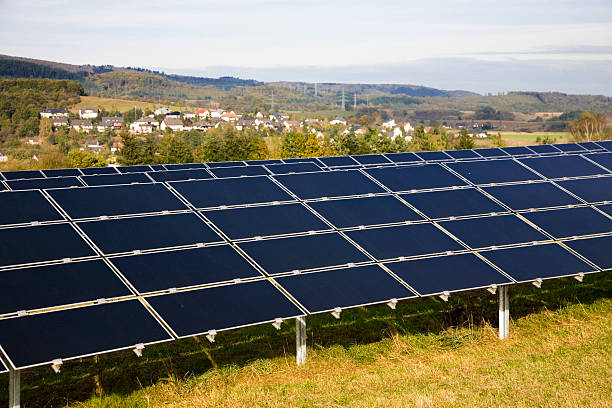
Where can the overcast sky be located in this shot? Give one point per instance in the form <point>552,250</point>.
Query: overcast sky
<point>484,46</point>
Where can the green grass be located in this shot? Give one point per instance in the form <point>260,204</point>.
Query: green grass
<point>425,353</point>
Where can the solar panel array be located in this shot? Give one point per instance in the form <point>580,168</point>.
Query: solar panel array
<point>108,267</point>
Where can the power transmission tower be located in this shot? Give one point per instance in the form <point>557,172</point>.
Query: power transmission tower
<point>343,106</point>
<point>355,101</point>
<point>272,104</point>
<point>316,89</point>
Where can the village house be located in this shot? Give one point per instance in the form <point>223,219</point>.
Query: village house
<point>84,125</point>
<point>188,115</point>
<point>111,122</point>
<point>407,127</point>
<point>54,113</point>
<point>93,146</point>
<point>217,113</point>
<point>88,113</point>
<point>162,111</point>
<point>243,123</point>
<point>230,116</point>
<point>390,124</point>
<point>144,125</point>
<point>174,124</point>
<point>338,121</point>
<point>3,157</point>
<point>32,141</point>
<point>116,146</point>
<point>173,115</point>
<point>204,125</point>
<point>57,122</point>
<point>292,124</point>
<point>202,113</point>
<point>259,115</point>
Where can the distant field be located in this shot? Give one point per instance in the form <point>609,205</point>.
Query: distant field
<point>522,139</point>
<point>121,105</point>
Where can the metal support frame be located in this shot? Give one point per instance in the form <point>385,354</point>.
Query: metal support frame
<point>14,389</point>
<point>300,340</point>
<point>504,313</point>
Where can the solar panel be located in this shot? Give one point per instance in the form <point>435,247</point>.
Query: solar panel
<point>606,208</point>
<point>61,172</point>
<point>329,184</point>
<point>150,232</point>
<point>219,308</point>
<point>239,171</point>
<point>596,250</point>
<point>225,164</point>
<point>433,156</point>
<point>303,160</point>
<point>403,241</point>
<point>493,171</point>
<point>491,152</point>
<point>179,175</point>
<point>263,162</point>
<point>517,150</point>
<point>110,179</point>
<point>42,243</point>
<point>603,159</point>
<point>158,167</point>
<point>231,191</point>
<point>22,174</point>
<point>347,287</point>
<point>251,222</point>
<point>116,200</point>
<point>42,183</point>
<point>281,255</point>
<point>3,368</point>
<point>41,338</point>
<point>371,159</point>
<point>26,206</point>
<point>431,276</point>
<point>544,149</point>
<point>184,166</point>
<point>403,157</point>
<point>592,190</point>
<point>528,263</point>
<point>493,231</point>
<point>92,171</point>
<point>293,168</point>
<point>58,285</point>
<point>134,169</point>
<point>606,144</point>
<point>532,195</point>
<point>415,177</point>
<point>353,212</point>
<point>338,161</point>
<point>462,154</point>
<point>569,147</point>
<point>591,146</point>
<point>159,271</point>
<point>563,166</point>
<point>453,203</point>
<point>571,222</point>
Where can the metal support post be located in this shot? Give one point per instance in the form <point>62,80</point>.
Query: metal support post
<point>14,388</point>
<point>504,313</point>
<point>300,340</point>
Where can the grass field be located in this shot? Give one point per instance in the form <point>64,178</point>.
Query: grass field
<point>121,105</point>
<point>525,139</point>
<point>426,353</point>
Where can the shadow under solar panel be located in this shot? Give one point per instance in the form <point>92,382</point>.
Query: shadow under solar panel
<point>65,334</point>
<point>570,222</point>
<point>533,262</point>
<point>591,190</point>
<point>431,276</point>
<point>347,287</point>
<point>596,250</point>
<point>563,166</point>
<point>329,184</point>
<point>182,268</point>
<point>26,206</point>
<point>219,308</point>
<point>532,195</point>
<point>493,171</point>
<point>407,178</point>
<point>453,203</point>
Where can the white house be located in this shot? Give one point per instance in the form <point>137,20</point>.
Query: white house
<point>144,125</point>
<point>230,116</point>
<point>397,132</point>
<point>338,121</point>
<point>408,127</point>
<point>57,122</point>
<point>88,113</point>
<point>162,111</point>
<point>390,124</point>
<point>259,115</point>
<point>173,114</point>
<point>202,113</point>
<point>3,157</point>
<point>54,113</point>
<point>217,113</point>
<point>84,125</point>
<point>172,123</point>
<point>188,115</point>
<point>111,122</point>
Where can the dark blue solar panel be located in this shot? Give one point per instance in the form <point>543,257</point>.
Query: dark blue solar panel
<point>161,231</point>
<point>532,195</point>
<point>55,285</point>
<point>329,184</point>
<point>571,221</point>
<point>231,191</point>
<point>41,183</point>
<point>433,156</point>
<point>91,171</point>
<point>25,206</point>
<point>251,222</point>
<point>293,168</point>
<point>603,159</point>
<point>184,166</point>
<point>569,147</point>
<point>116,200</point>
<point>606,144</point>
<point>491,152</point>
<point>134,169</point>
<point>404,240</point>
<point>493,231</point>
<point>596,250</point>
<point>591,146</point>
<point>42,338</point>
<point>347,287</point>
<point>371,159</point>
<point>529,263</point>
<point>563,166</point>
<point>303,160</point>
<point>41,243</point>
<point>177,175</point>
<point>462,154</point>
<point>22,174</point>
<point>453,203</point>
<point>403,157</point>
<point>354,212</point>
<point>182,268</point>
<point>592,190</point>
<point>415,177</point>
<point>517,150</point>
<point>3,368</point>
<point>430,276</point>
<point>337,161</point>
<point>61,172</point>
<point>544,149</point>
<point>493,171</point>
<point>158,167</point>
<point>110,179</point>
<point>224,307</point>
<point>304,252</point>
<point>263,162</point>
<point>225,164</point>
<point>606,208</point>
<point>238,171</point>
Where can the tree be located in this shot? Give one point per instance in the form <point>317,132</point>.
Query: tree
<point>84,158</point>
<point>45,129</point>
<point>465,140</point>
<point>589,127</point>
<point>131,152</point>
<point>497,140</point>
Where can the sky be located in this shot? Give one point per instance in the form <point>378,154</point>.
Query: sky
<point>482,46</point>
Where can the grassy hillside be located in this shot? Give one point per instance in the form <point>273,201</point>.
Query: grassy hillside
<point>426,353</point>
